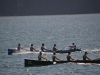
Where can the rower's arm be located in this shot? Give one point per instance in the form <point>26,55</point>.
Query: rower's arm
<point>72,58</point>
<point>46,49</point>
<point>70,46</point>
<point>57,49</point>
<point>35,50</point>
<point>23,49</point>
<point>45,58</point>
<point>88,58</point>
<point>58,58</point>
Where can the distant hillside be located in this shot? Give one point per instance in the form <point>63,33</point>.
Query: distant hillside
<point>48,7</point>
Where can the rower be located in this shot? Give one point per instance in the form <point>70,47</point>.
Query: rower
<point>69,57</point>
<point>40,56</point>
<point>85,56</point>
<point>54,57</point>
<point>73,46</point>
<point>55,49</point>
<point>33,49</point>
<point>43,48</point>
<point>19,47</point>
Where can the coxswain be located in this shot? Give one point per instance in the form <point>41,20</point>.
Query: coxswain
<point>33,49</point>
<point>55,49</point>
<point>73,46</point>
<point>69,57</point>
<point>54,57</point>
<point>43,48</point>
<point>40,57</point>
<point>85,56</point>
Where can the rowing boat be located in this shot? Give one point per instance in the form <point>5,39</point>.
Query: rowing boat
<point>30,63</point>
<point>13,50</point>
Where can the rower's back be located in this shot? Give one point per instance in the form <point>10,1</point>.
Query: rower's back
<point>42,47</point>
<point>53,57</point>
<point>84,56</point>
<point>54,47</point>
<point>39,56</point>
<point>68,56</point>
<point>19,47</point>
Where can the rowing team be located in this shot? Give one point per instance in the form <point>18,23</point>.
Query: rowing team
<point>43,49</point>
<point>69,58</point>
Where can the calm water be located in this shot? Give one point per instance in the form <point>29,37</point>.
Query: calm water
<point>84,30</point>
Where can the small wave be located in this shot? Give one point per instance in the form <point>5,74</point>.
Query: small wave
<point>29,52</point>
<point>93,51</point>
<point>4,66</point>
<point>84,63</point>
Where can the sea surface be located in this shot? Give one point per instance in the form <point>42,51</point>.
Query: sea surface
<point>62,30</point>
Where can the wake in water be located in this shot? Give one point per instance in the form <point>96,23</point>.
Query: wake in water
<point>27,51</point>
<point>87,64</point>
<point>92,51</point>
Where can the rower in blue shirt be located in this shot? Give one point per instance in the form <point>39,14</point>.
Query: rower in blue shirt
<point>33,49</point>
<point>43,48</point>
<point>19,47</point>
<point>55,48</point>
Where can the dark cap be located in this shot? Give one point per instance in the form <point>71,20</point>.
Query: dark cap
<point>54,44</point>
<point>54,53</point>
<point>31,44</point>
<point>40,53</point>
<point>42,44</point>
<point>86,53</point>
<point>69,52</point>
